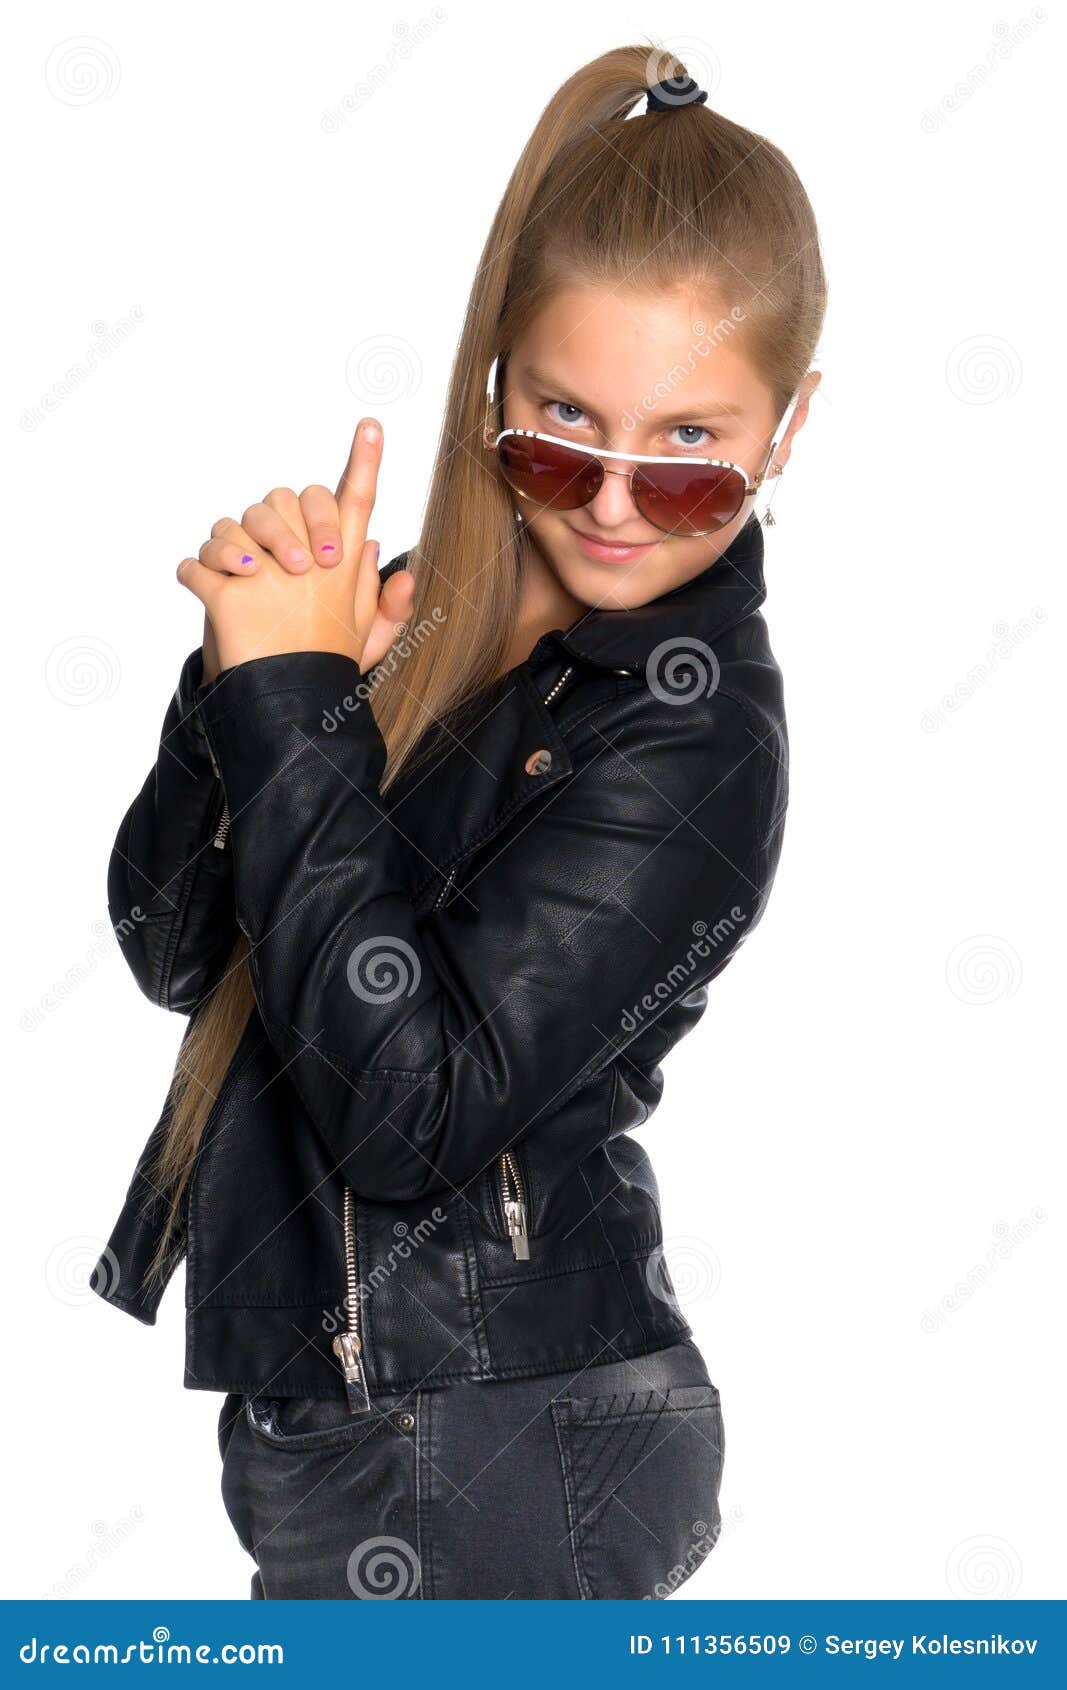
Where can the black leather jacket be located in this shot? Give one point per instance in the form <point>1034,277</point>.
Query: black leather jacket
<point>419,1166</point>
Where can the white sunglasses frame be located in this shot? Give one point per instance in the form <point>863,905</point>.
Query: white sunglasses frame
<point>491,442</point>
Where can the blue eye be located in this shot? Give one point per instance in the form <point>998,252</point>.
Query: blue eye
<point>564,405</point>
<point>691,429</point>
<point>564,414</point>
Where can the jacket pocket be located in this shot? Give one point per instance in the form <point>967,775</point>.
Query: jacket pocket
<point>641,1472</point>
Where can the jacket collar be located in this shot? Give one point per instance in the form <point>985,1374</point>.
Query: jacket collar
<point>729,589</point>
<point>484,770</point>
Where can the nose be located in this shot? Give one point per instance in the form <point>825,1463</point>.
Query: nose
<point>613,505</point>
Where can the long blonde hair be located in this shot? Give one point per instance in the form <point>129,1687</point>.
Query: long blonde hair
<point>683,196</point>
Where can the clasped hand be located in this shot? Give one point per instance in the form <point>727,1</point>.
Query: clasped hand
<point>297,573</point>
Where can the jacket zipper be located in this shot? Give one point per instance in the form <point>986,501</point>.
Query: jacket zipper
<point>223,829</point>
<point>513,1192</point>
<point>451,880</point>
<point>513,1202</point>
<point>348,1345</point>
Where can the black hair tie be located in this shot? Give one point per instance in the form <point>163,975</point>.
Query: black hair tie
<point>676,91</point>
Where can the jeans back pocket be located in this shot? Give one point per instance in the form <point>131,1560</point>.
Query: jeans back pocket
<point>642,1471</point>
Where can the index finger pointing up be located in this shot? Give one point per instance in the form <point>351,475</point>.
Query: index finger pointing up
<point>358,485</point>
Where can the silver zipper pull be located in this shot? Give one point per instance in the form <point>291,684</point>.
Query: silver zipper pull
<point>346,1347</point>
<point>221,835</point>
<point>515,1215</point>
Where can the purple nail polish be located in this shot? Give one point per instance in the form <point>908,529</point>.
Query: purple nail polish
<point>247,559</point>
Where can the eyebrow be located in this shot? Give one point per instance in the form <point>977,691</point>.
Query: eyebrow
<point>712,408</point>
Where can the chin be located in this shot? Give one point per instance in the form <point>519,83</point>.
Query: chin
<point>609,588</point>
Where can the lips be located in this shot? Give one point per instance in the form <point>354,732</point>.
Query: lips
<point>607,551</point>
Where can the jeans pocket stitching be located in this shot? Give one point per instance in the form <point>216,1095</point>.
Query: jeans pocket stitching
<point>674,1400</point>
<point>586,1502</point>
<point>630,1444</point>
<point>423,1494</point>
<point>560,1420</point>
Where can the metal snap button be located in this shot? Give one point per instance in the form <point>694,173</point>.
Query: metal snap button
<point>539,762</point>
<point>406,1422</point>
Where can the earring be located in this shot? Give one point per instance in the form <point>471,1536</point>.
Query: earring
<point>767,520</point>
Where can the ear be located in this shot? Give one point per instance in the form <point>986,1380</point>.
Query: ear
<point>799,417</point>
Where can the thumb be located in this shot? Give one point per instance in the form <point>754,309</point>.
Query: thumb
<point>394,609</point>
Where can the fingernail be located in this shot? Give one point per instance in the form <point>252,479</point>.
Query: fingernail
<point>247,561</point>
<point>377,551</point>
<point>325,548</point>
<point>298,555</point>
<point>371,431</point>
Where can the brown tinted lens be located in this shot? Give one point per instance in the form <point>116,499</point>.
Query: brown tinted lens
<point>547,474</point>
<point>688,498</point>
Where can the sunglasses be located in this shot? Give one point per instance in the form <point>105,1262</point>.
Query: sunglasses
<point>687,496</point>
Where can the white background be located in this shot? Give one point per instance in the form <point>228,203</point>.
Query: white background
<point>868,1109</point>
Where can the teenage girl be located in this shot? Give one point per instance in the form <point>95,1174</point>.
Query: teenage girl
<point>439,862</point>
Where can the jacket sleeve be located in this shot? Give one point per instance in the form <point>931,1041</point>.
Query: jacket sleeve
<point>420,1048</point>
<point>169,890</point>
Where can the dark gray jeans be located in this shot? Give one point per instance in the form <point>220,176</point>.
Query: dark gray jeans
<point>596,1484</point>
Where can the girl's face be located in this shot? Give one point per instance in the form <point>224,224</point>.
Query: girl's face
<point>633,372</point>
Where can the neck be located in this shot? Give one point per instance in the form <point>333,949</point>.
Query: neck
<point>544,604</point>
